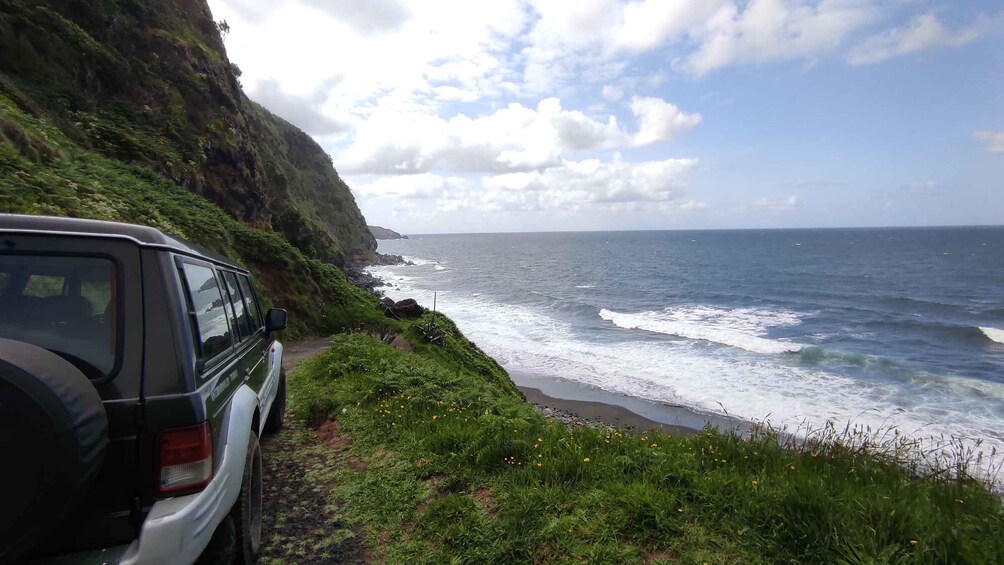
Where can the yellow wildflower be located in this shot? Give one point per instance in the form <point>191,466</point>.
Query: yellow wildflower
<point>586,460</point>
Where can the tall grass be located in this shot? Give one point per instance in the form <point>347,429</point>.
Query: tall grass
<point>461,469</point>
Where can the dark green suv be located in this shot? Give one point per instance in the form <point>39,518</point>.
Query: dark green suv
<point>137,372</point>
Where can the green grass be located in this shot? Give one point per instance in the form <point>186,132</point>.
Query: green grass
<point>461,469</point>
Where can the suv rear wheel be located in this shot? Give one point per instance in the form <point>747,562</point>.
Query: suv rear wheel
<point>277,415</point>
<point>246,512</point>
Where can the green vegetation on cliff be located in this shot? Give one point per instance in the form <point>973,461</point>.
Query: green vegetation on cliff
<point>384,233</point>
<point>149,84</point>
<point>448,466</point>
<point>130,111</point>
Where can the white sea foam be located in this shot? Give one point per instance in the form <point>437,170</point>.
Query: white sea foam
<point>724,381</point>
<point>417,260</point>
<point>585,286</point>
<point>735,328</point>
<point>440,268</point>
<point>993,334</point>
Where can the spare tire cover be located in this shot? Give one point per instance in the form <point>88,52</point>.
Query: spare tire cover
<point>53,434</point>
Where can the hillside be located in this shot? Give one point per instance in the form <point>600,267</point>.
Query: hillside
<point>384,233</point>
<point>149,84</point>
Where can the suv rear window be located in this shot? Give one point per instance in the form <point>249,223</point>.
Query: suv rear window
<point>206,302</point>
<point>64,304</point>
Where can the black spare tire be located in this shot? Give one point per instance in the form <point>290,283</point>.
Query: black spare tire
<point>53,434</point>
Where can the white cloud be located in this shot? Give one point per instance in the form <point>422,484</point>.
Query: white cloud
<point>659,120</point>
<point>513,138</point>
<point>304,112</point>
<point>569,187</point>
<point>418,186</point>
<point>612,93</point>
<point>589,182</point>
<point>778,204</point>
<point>419,47</point>
<point>768,30</point>
<point>367,15</point>
<point>922,33</point>
<point>994,140</point>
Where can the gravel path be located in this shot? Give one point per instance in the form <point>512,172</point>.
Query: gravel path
<point>298,525</point>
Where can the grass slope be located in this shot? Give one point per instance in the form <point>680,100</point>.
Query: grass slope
<point>457,468</point>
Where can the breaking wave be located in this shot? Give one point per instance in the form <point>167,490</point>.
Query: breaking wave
<point>993,334</point>
<point>734,328</point>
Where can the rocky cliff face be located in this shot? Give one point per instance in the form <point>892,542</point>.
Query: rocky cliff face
<point>150,84</point>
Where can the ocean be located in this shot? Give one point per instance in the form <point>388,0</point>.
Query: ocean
<point>900,327</point>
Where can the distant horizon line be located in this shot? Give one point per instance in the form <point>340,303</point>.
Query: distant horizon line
<point>835,228</point>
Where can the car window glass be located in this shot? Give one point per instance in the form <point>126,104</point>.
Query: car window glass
<point>239,311</point>
<point>228,306</point>
<point>207,303</point>
<point>44,285</point>
<point>253,311</point>
<point>62,304</point>
<point>96,287</point>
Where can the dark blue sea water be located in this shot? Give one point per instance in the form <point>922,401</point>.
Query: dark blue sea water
<point>899,327</point>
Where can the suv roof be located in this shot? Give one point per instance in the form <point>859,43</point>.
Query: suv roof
<point>142,235</point>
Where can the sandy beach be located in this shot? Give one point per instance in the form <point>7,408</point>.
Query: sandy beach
<point>592,412</point>
<point>580,404</point>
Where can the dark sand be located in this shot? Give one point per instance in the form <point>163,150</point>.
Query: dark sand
<point>568,401</point>
<point>589,411</point>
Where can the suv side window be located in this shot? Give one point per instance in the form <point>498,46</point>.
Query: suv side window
<point>254,313</point>
<point>44,286</point>
<point>206,303</point>
<point>235,299</point>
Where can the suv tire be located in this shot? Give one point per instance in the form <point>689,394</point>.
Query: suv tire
<point>54,429</point>
<point>246,512</point>
<point>277,415</point>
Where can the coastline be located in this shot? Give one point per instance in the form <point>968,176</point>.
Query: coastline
<point>592,413</point>
<point>579,404</point>
<point>574,403</point>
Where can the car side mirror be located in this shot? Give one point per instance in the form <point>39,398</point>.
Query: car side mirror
<point>275,319</point>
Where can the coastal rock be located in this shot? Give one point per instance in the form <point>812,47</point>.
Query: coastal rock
<point>407,309</point>
<point>384,233</point>
<point>356,272</point>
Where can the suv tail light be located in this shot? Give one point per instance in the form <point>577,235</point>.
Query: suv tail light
<point>184,460</point>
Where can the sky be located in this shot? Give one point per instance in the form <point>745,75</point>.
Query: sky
<point>544,115</point>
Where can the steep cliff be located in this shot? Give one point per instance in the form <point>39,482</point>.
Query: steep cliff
<point>149,84</point>
<point>130,111</point>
